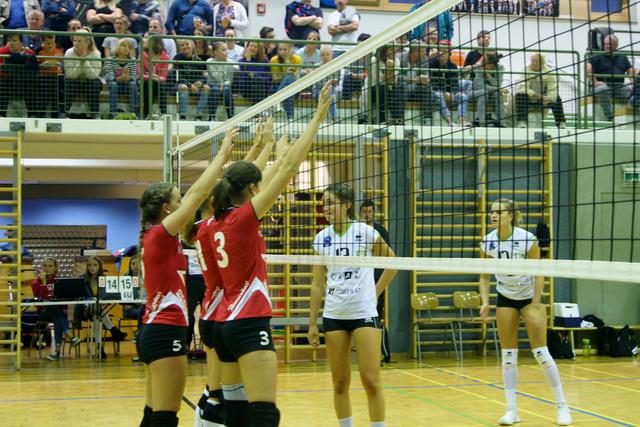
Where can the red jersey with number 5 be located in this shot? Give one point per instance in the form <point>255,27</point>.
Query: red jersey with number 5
<point>239,250</point>
<point>208,264</point>
<point>163,268</point>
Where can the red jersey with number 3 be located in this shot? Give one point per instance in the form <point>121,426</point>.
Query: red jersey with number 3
<point>239,250</point>
<point>208,264</point>
<point>163,268</point>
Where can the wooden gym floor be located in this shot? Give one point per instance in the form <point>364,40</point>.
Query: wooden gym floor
<point>79,392</point>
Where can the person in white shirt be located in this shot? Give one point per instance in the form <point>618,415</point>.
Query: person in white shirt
<point>229,14</point>
<point>343,25</point>
<point>350,303</point>
<point>234,50</point>
<point>518,294</point>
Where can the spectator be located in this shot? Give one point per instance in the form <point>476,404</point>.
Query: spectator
<point>310,53</point>
<point>414,81</point>
<point>442,24</point>
<point>202,46</point>
<point>102,14</point>
<point>234,50</point>
<point>355,74</point>
<point>383,86</point>
<point>142,12</point>
<point>343,25</point>
<point>190,77</point>
<point>42,287</point>
<point>51,79</point>
<point>18,71</point>
<point>158,74</point>
<point>66,42</point>
<point>121,74</point>
<point>539,89</point>
<point>121,24</point>
<point>13,13</point>
<point>254,76</point>
<point>186,15</point>
<point>229,14</point>
<point>271,49</point>
<point>326,55</point>
<point>36,23</point>
<point>488,83</point>
<point>156,28</point>
<point>220,80</point>
<point>473,59</point>
<point>444,83</point>
<point>82,68</point>
<point>302,18</point>
<point>58,13</point>
<point>284,75</point>
<point>607,71</point>
<point>135,311</point>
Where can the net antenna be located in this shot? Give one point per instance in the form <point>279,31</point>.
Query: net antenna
<point>419,16</point>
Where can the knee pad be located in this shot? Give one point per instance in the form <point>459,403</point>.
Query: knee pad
<point>236,413</point>
<point>164,419</point>
<point>510,358</point>
<point>264,414</point>
<point>202,403</point>
<point>213,413</point>
<point>543,357</point>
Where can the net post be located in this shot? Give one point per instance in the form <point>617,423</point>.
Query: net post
<point>167,136</point>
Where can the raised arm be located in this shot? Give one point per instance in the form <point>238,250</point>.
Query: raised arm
<point>258,143</point>
<point>200,189</point>
<point>282,148</point>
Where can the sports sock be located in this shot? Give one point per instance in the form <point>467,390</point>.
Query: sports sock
<point>263,414</point>
<point>345,422</point>
<point>510,375</point>
<point>550,369</point>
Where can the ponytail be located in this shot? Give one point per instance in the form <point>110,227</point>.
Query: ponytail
<point>228,191</point>
<point>150,205</point>
<point>222,196</point>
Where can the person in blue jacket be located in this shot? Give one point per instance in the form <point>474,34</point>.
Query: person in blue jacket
<point>443,21</point>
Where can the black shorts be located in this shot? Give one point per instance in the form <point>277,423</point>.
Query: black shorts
<point>349,325</point>
<point>518,304</point>
<point>235,338</point>
<point>207,330</point>
<point>161,341</point>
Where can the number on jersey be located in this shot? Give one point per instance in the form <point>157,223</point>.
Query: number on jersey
<point>224,258</point>
<point>203,264</point>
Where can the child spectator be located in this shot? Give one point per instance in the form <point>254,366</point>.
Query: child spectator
<point>254,76</point>
<point>121,74</point>
<point>190,77</point>
<point>121,24</point>
<point>82,68</point>
<point>310,53</point>
<point>158,74</point>
<point>283,75</point>
<point>18,73</point>
<point>326,55</point>
<point>220,79</point>
<point>234,50</point>
<point>142,12</point>
<point>43,286</point>
<point>51,79</point>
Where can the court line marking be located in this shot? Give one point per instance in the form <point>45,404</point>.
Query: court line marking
<point>594,380</point>
<point>602,372</point>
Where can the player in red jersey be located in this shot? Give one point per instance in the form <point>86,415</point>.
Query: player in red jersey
<point>243,338</point>
<point>161,341</point>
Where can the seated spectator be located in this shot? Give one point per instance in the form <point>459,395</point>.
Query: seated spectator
<point>354,75</point>
<point>121,24</point>
<point>135,311</point>
<point>156,28</point>
<point>488,83</point>
<point>442,24</point>
<point>234,50</point>
<point>342,25</point>
<point>473,59</point>
<point>538,90</point>
<point>121,74</point>
<point>58,13</point>
<point>414,81</point>
<point>310,53</point>
<point>36,23</point>
<point>190,77</point>
<point>384,87</point>
<point>185,16</point>
<point>301,18</point>
<point>18,71</point>
<point>202,46</point>
<point>155,71</point>
<point>13,14</point>
<point>82,68</point>
<point>102,14</point>
<point>220,80</point>
<point>50,80</point>
<point>254,75</point>
<point>284,75</point>
<point>42,287</point>
<point>66,42</point>
<point>229,14</point>
<point>270,48</point>
<point>142,12</point>
<point>607,72</point>
<point>444,83</point>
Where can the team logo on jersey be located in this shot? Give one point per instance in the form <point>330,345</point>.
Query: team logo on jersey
<point>326,242</point>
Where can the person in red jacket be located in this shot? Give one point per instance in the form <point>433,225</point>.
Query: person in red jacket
<point>42,287</point>
<point>18,72</point>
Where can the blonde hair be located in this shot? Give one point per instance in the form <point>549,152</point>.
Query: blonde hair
<point>91,44</point>
<point>126,42</point>
<point>512,207</point>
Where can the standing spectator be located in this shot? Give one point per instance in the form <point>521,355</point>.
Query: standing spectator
<point>101,14</point>
<point>121,24</point>
<point>220,79</point>
<point>156,72</point>
<point>284,75</point>
<point>17,74</point>
<point>142,12</point>
<point>343,25</point>
<point>82,68</point>
<point>234,50</point>
<point>50,81</point>
<point>302,18</point>
<point>310,53</point>
<point>186,15</point>
<point>66,42</point>
<point>444,83</point>
<point>13,13</point>
<point>36,23</point>
<point>229,14</point>
<point>442,23</point>
<point>539,89</point>
<point>254,76</point>
<point>58,13</point>
<point>156,28</point>
<point>607,72</point>
<point>488,83</point>
<point>190,77</point>
<point>121,74</point>
<point>414,81</point>
<point>270,48</point>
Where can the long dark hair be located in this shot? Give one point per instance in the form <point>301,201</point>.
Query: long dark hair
<point>345,194</point>
<point>87,275</point>
<point>228,191</point>
<point>189,230</point>
<point>150,205</point>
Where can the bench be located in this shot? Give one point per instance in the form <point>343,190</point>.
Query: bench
<point>571,332</point>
